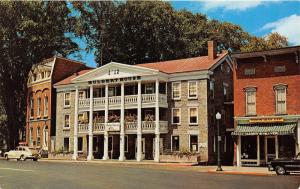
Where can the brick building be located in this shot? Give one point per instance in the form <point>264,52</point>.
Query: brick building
<point>266,105</point>
<point>41,99</point>
<point>121,111</point>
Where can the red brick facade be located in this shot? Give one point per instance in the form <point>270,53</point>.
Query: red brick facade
<point>264,80</point>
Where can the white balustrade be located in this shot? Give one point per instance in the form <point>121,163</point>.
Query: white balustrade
<point>131,99</point>
<point>99,127</point>
<point>114,100</point>
<point>131,125</point>
<point>148,98</point>
<point>99,102</point>
<point>114,126</point>
<point>84,103</point>
<point>148,125</point>
<point>83,128</point>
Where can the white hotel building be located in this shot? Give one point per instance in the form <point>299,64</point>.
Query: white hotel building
<point>144,111</point>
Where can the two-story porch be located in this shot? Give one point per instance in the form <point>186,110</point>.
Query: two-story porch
<point>120,108</point>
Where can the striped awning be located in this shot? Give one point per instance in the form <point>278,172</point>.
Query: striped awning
<point>265,129</point>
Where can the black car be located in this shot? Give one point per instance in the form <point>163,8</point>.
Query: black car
<point>285,166</point>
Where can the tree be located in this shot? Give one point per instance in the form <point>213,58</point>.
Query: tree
<point>275,40</point>
<point>29,32</point>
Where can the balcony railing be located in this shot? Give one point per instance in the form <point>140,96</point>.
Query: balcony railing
<point>147,126</point>
<point>116,100</point>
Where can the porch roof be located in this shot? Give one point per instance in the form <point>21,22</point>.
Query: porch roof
<point>265,129</point>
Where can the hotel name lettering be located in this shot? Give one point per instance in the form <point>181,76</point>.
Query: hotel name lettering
<point>266,120</point>
<point>115,80</point>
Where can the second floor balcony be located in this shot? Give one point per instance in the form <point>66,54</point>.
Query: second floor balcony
<point>148,100</point>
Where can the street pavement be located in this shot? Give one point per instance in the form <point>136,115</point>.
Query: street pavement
<point>84,175</point>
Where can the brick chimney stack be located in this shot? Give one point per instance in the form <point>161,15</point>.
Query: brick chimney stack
<point>212,50</point>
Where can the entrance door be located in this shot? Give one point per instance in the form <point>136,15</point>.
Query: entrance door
<point>110,147</point>
<point>270,148</point>
<point>143,148</point>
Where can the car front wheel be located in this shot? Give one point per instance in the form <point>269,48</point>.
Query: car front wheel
<point>280,170</point>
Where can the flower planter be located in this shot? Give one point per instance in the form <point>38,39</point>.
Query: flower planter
<point>60,156</point>
<point>180,158</point>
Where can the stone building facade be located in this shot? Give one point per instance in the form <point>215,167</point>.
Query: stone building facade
<point>267,105</point>
<point>41,99</point>
<point>141,111</point>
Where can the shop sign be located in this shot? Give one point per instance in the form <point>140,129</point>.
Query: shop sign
<point>266,120</point>
<point>115,80</point>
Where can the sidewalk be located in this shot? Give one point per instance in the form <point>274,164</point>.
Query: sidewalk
<point>257,171</point>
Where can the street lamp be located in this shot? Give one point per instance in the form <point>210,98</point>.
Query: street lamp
<point>218,117</point>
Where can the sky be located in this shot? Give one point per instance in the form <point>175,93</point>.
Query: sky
<point>257,17</point>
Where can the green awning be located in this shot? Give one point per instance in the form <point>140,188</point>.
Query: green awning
<point>265,129</point>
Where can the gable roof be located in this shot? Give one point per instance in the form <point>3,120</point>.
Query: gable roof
<point>184,65</point>
<point>68,80</point>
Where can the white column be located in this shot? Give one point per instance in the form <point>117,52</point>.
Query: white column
<point>90,150</point>
<point>122,131</point>
<point>139,122</point>
<point>276,146</point>
<point>258,151</point>
<point>238,151</point>
<point>157,131</point>
<point>75,146</point>
<point>105,155</point>
<point>298,138</point>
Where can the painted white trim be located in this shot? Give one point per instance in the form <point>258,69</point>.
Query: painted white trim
<point>179,116</point>
<point>173,83</point>
<point>194,97</point>
<point>189,111</point>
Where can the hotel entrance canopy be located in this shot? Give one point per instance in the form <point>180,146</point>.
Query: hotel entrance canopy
<point>265,129</point>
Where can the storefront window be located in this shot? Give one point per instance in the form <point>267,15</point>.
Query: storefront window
<point>248,147</point>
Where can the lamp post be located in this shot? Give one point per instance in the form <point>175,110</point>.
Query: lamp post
<point>218,117</point>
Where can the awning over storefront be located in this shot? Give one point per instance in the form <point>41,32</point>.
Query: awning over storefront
<point>265,129</point>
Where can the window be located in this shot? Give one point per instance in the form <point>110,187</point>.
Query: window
<point>31,136</point>
<point>193,114</point>
<point>66,144</point>
<point>31,107</point>
<point>39,107</point>
<point>80,144</point>
<point>280,99</point>
<point>46,106</point>
<point>175,143</point>
<point>175,116</point>
<point>176,90</point>
<point>149,88</point>
<point>126,143</point>
<point>112,91</point>
<point>67,100</point>
<point>249,71</point>
<point>194,143</point>
<point>251,101</point>
<point>192,89</point>
<point>279,69</point>
<point>81,94</point>
<point>67,121</point>
<point>38,137</point>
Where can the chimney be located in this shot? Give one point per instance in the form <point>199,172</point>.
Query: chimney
<point>212,50</point>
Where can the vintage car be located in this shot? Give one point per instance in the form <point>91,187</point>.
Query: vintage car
<point>22,153</point>
<point>285,166</point>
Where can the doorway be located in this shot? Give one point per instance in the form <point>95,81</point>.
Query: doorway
<point>270,148</point>
<point>143,148</point>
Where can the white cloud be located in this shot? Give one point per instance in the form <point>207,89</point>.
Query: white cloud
<point>240,5</point>
<point>287,26</point>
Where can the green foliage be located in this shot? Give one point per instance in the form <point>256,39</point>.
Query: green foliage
<point>29,32</point>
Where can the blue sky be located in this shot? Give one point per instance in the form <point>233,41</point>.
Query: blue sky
<point>256,17</point>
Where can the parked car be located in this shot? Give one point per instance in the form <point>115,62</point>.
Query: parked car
<point>285,166</point>
<point>22,153</point>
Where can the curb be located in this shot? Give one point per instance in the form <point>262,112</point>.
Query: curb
<point>239,173</point>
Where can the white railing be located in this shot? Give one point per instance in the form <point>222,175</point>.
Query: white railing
<point>131,125</point>
<point>99,101</point>
<point>148,98</point>
<point>131,99</point>
<point>99,127</point>
<point>84,103</point>
<point>114,100</point>
<point>83,128</point>
<point>148,125</point>
<point>163,126</point>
